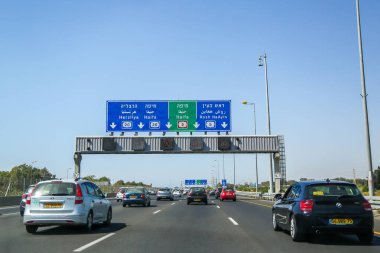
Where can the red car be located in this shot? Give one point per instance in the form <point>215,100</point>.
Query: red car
<point>227,194</point>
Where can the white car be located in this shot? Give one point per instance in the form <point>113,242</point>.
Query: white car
<point>177,193</point>
<point>66,202</point>
<point>120,194</point>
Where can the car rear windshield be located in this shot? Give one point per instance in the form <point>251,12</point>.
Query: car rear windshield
<point>138,190</point>
<point>200,189</point>
<point>164,190</point>
<point>122,190</point>
<point>55,189</point>
<point>332,190</point>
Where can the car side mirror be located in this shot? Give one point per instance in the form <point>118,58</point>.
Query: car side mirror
<point>278,196</point>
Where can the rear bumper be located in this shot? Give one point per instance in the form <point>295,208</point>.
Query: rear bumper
<point>134,201</point>
<point>228,197</point>
<point>164,197</point>
<point>310,224</point>
<point>197,199</point>
<point>46,220</point>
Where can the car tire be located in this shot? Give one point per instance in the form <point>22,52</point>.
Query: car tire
<point>234,199</point>
<point>188,202</point>
<point>171,199</point>
<point>294,233</point>
<point>366,237</point>
<point>124,205</point>
<point>206,202</point>
<point>31,229</point>
<point>107,222</point>
<point>158,199</point>
<point>274,223</point>
<point>149,203</point>
<point>89,222</point>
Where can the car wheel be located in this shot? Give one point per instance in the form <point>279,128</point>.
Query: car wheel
<point>234,199</point>
<point>149,203</point>
<point>296,236</point>
<point>365,238</point>
<point>158,199</point>
<point>31,229</point>
<point>171,199</point>
<point>90,220</point>
<point>206,202</point>
<point>188,202</point>
<point>124,205</point>
<point>274,222</point>
<point>107,222</point>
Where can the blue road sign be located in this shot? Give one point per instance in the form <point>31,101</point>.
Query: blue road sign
<point>196,182</point>
<point>156,116</point>
<point>224,182</point>
<point>214,115</point>
<point>137,116</point>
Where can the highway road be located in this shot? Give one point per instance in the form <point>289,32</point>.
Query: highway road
<point>173,226</point>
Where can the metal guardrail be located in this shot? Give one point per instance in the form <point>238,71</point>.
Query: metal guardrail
<point>375,201</point>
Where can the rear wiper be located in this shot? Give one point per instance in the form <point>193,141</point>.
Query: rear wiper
<point>346,197</point>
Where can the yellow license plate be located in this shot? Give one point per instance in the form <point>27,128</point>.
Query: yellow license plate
<point>53,205</point>
<point>197,200</point>
<point>341,221</point>
<point>132,197</point>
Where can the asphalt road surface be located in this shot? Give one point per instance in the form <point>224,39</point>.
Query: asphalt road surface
<point>173,226</point>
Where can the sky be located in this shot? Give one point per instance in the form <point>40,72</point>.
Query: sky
<point>60,61</point>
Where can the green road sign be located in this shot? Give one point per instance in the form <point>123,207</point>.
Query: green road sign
<point>183,115</point>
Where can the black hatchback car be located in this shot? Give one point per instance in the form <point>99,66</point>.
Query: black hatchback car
<point>197,194</point>
<point>317,206</point>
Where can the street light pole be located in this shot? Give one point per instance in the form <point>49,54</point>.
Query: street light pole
<point>254,118</point>
<point>364,96</point>
<point>234,174</point>
<point>268,115</point>
<point>217,180</point>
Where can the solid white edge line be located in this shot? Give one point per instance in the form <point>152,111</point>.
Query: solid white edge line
<point>173,204</point>
<point>157,211</point>
<point>217,206</point>
<point>93,243</point>
<point>7,214</point>
<point>233,221</point>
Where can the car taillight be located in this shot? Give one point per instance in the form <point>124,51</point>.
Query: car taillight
<point>367,206</point>
<point>28,199</point>
<point>306,206</point>
<point>142,196</point>
<point>78,195</point>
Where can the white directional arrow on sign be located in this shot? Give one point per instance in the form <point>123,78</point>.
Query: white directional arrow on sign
<point>141,125</point>
<point>224,125</point>
<point>196,125</point>
<point>113,125</point>
<point>168,125</point>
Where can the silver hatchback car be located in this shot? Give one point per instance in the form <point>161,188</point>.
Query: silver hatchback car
<point>66,202</point>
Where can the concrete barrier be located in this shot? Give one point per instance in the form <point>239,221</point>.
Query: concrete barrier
<point>10,201</point>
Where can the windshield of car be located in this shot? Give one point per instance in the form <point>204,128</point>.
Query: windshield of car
<point>122,190</point>
<point>332,190</point>
<point>164,190</point>
<point>55,189</point>
<point>198,189</point>
<point>134,190</point>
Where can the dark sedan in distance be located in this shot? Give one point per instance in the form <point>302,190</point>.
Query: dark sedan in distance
<point>316,206</point>
<point>197,194</point>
